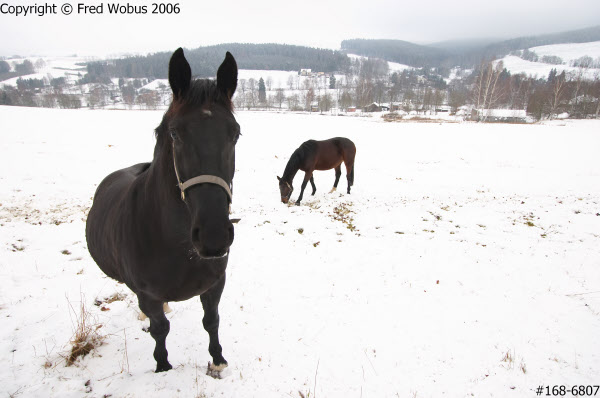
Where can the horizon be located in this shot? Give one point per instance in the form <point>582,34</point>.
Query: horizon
<point>339,48</point>
<point>196,25</point>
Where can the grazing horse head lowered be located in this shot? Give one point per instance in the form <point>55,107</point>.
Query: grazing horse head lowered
<point>318,155</point>
<point>163,227</point>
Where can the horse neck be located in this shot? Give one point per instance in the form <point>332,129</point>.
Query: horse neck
<point>292,167</point>
<point>161,178</point>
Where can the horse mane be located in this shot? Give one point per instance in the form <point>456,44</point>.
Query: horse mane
<point>201,92</point>
<point>297,158</point>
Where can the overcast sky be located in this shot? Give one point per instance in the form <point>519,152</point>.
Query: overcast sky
<point>307,22</point>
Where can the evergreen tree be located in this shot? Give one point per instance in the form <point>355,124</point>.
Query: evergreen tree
<point>4,67</point>
<point>332,81</point>
<point>262,91</point>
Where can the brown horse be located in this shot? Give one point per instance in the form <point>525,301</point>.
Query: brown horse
<point>318,155</point>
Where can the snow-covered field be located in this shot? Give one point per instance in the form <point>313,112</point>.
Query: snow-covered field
<point>541,70</point>
<point>54,67</point>
<point>567,52</point>
<point>468,263</point>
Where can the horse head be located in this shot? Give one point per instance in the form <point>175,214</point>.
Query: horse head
<point>285,189</point>
<point>201,133</point>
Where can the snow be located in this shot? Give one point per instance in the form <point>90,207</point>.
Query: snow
<point>55,67</point>
<point>567,52</point>
<point>473,269</point>
<point>570,51</point>
<point>393,66</point>
<point>541,70</point>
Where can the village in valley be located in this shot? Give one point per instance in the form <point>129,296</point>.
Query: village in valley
<point>520,87</point>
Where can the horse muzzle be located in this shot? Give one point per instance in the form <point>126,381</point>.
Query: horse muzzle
<point>213,241</point>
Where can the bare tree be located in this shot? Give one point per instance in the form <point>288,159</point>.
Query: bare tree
<point>269,82</point>
<point>293,102</point>
<point>577,78</point>
<point>279,97</point>
<point>309,97</point>
<point>486,93</point>
<point>558,86</point>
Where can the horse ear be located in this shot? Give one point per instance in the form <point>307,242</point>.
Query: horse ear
<point>180,74</point>
<point>227,75</point>
<point>278,178</point>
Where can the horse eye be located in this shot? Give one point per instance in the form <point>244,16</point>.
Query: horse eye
<point>173,133</point>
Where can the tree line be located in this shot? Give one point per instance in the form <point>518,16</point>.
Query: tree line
<point>457,55</point>
<point>204,61</point>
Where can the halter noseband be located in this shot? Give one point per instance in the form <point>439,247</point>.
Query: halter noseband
<point>202,179</point>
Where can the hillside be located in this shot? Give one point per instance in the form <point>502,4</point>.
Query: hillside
<point>498,50</point>
<point>205,60</point>
<point>399,51</point>
<point>465,53</point>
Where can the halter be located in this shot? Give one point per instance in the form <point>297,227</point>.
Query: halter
<point>291,189</point>
<point>202,179</point>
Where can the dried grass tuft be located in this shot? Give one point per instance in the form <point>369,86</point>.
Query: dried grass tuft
<point>85,335</point>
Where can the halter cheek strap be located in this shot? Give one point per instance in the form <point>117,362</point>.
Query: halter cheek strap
<point>202,179</point>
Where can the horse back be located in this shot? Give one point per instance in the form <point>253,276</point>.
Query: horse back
<point>332,152</point>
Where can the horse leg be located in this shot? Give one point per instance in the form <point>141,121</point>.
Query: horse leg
<point>338,173</point>
<point>159,329</point>
<point>350,175</point>
<point>314,187</point>
<point>307,177</point>
<point>210,302</point>
<point>166,309</point>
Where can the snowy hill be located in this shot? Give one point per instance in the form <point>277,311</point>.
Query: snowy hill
<point>567,52</point>
<point>570,52</point>
<point>71,68</point>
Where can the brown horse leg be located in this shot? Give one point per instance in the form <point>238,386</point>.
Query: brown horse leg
<point>210,302</point>
<point>314,187</point>
<point>159,329</point>
<point>350,174</point>
<point>338,173</point>
<point>307,177</point>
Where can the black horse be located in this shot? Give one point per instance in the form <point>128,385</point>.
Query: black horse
<point>163,227</point>
<point>318,155</point>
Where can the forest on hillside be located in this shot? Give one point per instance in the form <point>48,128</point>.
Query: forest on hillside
<point>205,61</point>
<point>460,55</point>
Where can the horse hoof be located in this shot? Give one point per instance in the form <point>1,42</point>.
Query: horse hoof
<point>214,371</point>
<point>298,203</point>
<point>163,368</point>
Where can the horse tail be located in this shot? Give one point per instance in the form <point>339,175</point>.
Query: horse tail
<point>352,176</point>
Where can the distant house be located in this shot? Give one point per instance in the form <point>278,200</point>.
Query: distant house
<point>374,107</point>
<point>500,115</point>
<point>351,109</point>
<point>305,72</point>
